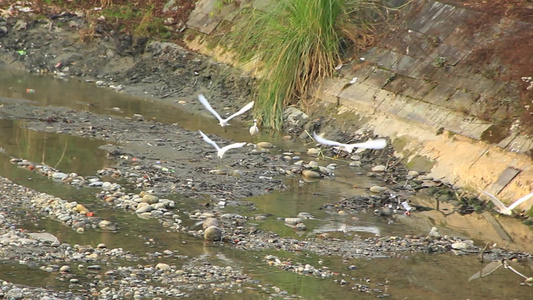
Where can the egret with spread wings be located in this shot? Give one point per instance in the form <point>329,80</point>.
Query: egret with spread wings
<point>507,210</point>
<point>370,144</point>
<point>223,122</point>
<point>221,151</point>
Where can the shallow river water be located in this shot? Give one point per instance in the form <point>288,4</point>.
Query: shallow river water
<point>420,276</point>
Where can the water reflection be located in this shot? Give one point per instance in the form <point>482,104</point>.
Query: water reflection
<point>61,151</point>
<point>503,231</point>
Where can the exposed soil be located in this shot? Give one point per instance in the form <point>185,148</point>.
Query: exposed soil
<point>53,45</point>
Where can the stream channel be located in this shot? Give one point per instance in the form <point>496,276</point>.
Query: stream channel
<point>412,276</point>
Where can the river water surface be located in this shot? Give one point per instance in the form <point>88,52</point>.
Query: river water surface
<point>420,276</point>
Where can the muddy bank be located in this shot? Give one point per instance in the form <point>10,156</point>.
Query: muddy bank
<point>167,159</point>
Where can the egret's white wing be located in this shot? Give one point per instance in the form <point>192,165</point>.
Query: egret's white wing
<point>230,146</point>
<point>503,209</point>
<point>209,141</point>
<point>207,106</point>
<point>324,141</point>
<point>491,267</point>
<point>246,108</point>
<point>370,144</point>
<point>520,201</point>
<point>507,266</point>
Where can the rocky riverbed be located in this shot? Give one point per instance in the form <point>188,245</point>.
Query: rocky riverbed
<point>160,159</point>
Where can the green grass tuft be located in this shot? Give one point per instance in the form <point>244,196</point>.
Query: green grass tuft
<point>298,43</point>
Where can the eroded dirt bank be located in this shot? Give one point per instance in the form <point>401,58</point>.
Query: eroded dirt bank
<point>170,73</point>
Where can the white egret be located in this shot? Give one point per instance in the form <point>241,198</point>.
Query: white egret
<point>507,210</point>
<point>221,151</point>
<point>254,129</point>
<point>224,122</point>
<point>370,144</point>
<point>493,266</point>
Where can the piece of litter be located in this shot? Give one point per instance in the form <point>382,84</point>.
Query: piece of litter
<point>406,206</point>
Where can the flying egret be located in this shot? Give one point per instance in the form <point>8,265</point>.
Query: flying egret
<point>507,210</point>
<point>493,266</point>
<point>370,144</point>
<point>254,129</point>
<point>224,122</point>
<point>221,151</point>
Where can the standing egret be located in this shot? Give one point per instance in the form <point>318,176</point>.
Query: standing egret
<point>504,209</point>
<point>371,144</point>
<point>221,151</point>
<point>224,122</point>
<point>254,129</point>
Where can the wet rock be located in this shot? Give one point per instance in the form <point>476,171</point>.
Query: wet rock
<point>145,215</point>
<point>377,189</point>
<point>59,176</point>
<point>208,222</point>
<point>261,217</point>
<point>292,221</point>
<point>325,171</point>
<point>219,172</point>
<point>424,177</point>
<point>429,183</point>
<point>412,174</point>
<point>434,232</point>
<point>379,168</point>
<point>143,207</point>
<point>305,215</point>
<point>311,174</point>
<point>163,267</point>
<point>108,186</point>
<point>313,151</point>
<point>356,164</point>
<point>81,209</point>
<point>150,199</point>
<point>294,116</point>
<point>64,269</point>
<point>213,233</point>
<point>300,227</point>
<point>312,164</point>
<point>236,173</point>
<point>159,207</point>
<point>168,203</point>
<point>463,245</point>
<point>107,225</point>
<point>256,151</point>
<point>44,237</point>
<point>356,157</point>
<point>384,211</point>
<point>265,145</point>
